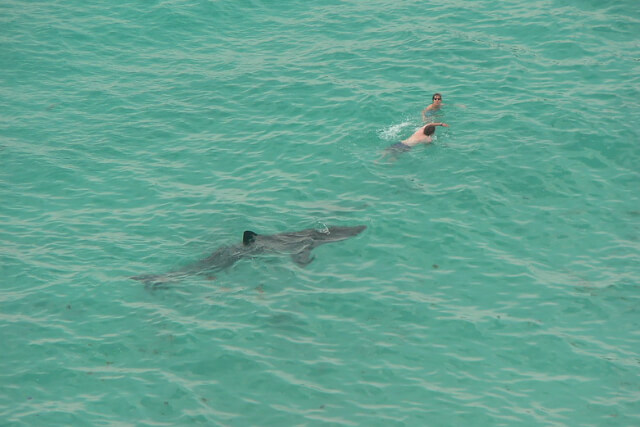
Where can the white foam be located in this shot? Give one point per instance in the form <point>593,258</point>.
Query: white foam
<point>393,132</point>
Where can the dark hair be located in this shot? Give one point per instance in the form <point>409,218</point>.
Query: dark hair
<point>436,94</point>
<point>429,130</point>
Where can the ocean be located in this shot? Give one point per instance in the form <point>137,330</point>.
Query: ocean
<point>497,282</point>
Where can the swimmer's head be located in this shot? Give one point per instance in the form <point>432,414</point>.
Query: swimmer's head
<point>429,130</point>
<point>436,97</point>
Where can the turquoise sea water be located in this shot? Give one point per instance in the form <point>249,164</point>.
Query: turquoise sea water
<point>497,282</point>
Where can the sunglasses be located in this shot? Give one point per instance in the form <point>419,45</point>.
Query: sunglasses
<point>437,99</point>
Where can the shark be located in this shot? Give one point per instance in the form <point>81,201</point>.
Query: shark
<point>297,244</point>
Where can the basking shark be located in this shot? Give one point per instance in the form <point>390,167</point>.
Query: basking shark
<point>298,244</point>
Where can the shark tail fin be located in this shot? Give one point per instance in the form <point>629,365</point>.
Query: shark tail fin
<point>248,237</point>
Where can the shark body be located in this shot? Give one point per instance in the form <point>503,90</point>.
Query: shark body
<point>297,244</point>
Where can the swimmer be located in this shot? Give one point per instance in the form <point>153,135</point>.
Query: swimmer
<point>421,136</point>
<point>434,106</point>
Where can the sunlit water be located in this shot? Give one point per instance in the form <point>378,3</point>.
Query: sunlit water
<point>496,283</point>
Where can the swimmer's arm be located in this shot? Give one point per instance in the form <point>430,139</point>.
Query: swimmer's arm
<point>424,113</point>
<point>438,124</point>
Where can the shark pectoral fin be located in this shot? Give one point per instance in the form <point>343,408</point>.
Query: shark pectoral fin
<point>157,281</point>
<point>302,258</point>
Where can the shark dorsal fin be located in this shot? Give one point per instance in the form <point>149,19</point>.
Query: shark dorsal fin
<point>248,237</point>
